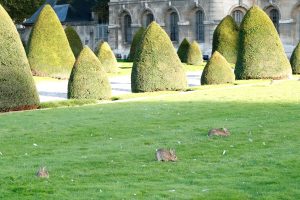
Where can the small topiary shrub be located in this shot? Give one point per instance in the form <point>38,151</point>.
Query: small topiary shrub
<point>261,54</point>
<point>107,57</point>
<point>225,39</point>
<point>194,54</point>
<point>295,60</point>
<point>183,50</point>
<point>157,67</point>
<point>135,42</point>
<point>217,71</point>
<point>17,88</point>
<point>49,52</point>
<point>88,79</point>
<point>74,40</point>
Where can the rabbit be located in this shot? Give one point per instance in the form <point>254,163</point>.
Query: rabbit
<point>42,173</point>
<point>166,155</point>
<point>219,132</point>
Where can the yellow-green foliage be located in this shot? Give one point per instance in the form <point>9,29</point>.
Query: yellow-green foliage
<point>88,79</point>
<point>295,60</point>
<point>17,88</point>
<point>261,54</point>
<point>135,42</point>
<point>107,57</point>
<point>225,39</point>
<point>194,54</point>
<point>74,40</point>
<point>49,52</point>
<point>183,50</point>
<point>217,71</point>
<point>157,66</point>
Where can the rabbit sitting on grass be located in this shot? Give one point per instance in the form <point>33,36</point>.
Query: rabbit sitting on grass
<point>42,173</point>
<point>166,155</point>
<point>219,132</point>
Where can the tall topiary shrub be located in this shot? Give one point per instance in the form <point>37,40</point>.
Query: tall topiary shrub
<point>107,57</point>
<point>88,79</point>
<point>49,52</point>
<point>135,42</point>
<point>295,60</point>
<point>225,39</point>
<point>17,88</point>
<point>183,50</point>
<point>157,66</point>
<point>194,54</point>
<point>217,71</point>
<point>74,40</point>
<point>261,53</point>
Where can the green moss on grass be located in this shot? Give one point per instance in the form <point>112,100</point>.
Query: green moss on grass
<point>74,40</point>
<point>295,60</point>
<point>67,103</point>
<point>157,66</point>
<point>135,42</point>
<point>107,57</point>
<point>217,71</point>
<point>261,54</point>
<point>183,50</point>
<point>88,79</point>
<point>49,52</point>
<point>194,54</point>
<point>225,39</point>
<point>17,88</point>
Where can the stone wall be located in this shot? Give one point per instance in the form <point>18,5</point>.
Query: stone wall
<point>215,10</point>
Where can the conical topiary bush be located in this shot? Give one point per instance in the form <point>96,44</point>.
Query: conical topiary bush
<point>88,79</point>
<point>183,50</point>
<point>49,52</point>
<point>217,71</point>
<point>157,66</point>
<point>74,40</point>
<point>135,42</point>
<point>295,60</point>
<point>225,39</point>
<point>194,54</point>
<point>261,54</point>
<point>17,88</point>
<point>107,57</point>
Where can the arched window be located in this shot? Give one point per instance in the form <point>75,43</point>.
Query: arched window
<point>127,29</point>
<point>174,26</point>
<point>274,15</point>
<point>200,26</point>
<point>149,19</point>
<point>238,16</point>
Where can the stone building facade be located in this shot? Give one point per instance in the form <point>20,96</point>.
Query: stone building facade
<point>195,19</point>
<point>191,19</point>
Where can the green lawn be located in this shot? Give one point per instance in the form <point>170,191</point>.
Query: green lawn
<point>107,151</point>
<point>125,70</point>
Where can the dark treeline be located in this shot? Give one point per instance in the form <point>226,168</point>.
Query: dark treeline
<point>19,10</point>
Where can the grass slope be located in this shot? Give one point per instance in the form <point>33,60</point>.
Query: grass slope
<point>107,151</point>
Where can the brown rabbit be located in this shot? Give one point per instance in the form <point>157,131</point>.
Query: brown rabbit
<point>219,132</point>
<point>42,173</point>
<point>165,155</point>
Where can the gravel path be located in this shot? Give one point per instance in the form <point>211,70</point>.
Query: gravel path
<point>57,90</point>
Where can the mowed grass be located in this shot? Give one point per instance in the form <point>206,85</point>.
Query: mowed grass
<point>107,151</point>
<point>126,67</point>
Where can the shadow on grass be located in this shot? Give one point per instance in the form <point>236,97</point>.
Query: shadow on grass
<point>107,151</point>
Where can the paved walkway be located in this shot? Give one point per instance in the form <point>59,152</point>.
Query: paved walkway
<point>57,90</point>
